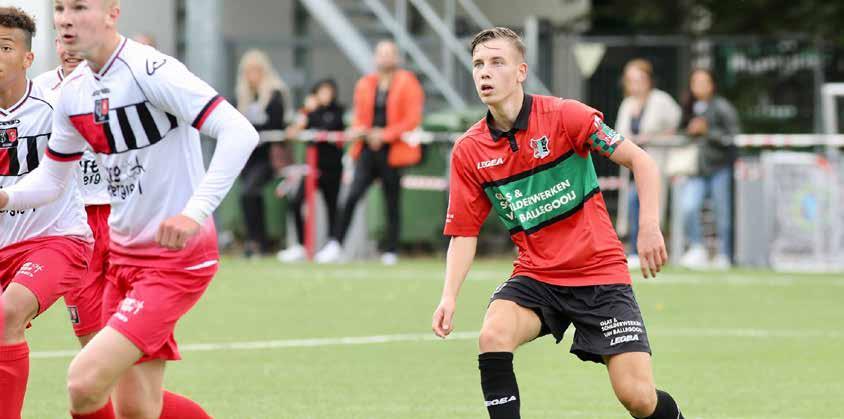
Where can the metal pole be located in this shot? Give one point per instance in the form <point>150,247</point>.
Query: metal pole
<point>405,41</point>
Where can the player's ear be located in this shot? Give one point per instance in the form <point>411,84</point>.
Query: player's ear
<point>523,71</point>
<point>113,14</point>
<point>28,59</point>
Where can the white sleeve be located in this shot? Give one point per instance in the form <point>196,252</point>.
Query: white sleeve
<point>42,186</point>
<point>170,86</point>
<point>236,138</point>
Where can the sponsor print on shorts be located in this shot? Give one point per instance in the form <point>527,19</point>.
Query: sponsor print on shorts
<point>544,195</point>
<point>129,307</point>
<point>624,331</point>
<point>30,269</point>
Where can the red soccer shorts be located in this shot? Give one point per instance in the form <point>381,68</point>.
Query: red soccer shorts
<point>49,267</point>
<point>85,304</point>
<point>145,303</point>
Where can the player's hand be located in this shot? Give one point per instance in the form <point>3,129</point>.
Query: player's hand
<point>4,199</point>
<point>651,248</point>
<point>175,231</point>
<point>443,316</point>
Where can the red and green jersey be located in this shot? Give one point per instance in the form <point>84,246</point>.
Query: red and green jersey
<point>540,180</point>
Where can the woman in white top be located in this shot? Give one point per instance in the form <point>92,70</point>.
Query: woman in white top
<point>645,113</point>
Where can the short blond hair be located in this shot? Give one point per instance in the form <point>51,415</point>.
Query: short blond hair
<point>498,33</point>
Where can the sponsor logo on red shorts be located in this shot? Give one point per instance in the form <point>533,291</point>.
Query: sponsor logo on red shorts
<point>129,307</point>
<point>30,269</point>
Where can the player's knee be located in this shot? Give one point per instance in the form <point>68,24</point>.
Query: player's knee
<point>17,315</point>
<point>86,391</point>
<point>495,339</point>
<point>639,398</point>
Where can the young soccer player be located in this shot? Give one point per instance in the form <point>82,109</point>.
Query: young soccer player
<point>141,111</point>
<point>44,252</point>
<point>84,304</point>
<point>529,159</point>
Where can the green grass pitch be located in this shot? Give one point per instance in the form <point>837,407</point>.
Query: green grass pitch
<point>739,344</point>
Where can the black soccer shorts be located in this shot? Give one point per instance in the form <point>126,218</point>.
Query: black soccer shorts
<point>606,318</point>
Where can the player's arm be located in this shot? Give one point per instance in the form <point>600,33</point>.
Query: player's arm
<point>174,88</point>
<point>461,253</point>
<point>42,186</point>
<point>587,131</point>
<point>468,207</point>
<point>651,244</point>
<point>46,183</point>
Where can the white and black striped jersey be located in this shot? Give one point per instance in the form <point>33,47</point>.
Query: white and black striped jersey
<point>25,129</point>
<point>92,179</point>
<point>140,113</point>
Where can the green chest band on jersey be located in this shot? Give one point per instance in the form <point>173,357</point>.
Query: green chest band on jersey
<point>552,192</point>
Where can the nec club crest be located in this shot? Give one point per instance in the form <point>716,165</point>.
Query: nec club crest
<point>540,147</point>
<point>8,137</point>
<point>101,110</point>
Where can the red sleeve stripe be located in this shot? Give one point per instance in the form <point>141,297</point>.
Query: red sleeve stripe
<point>209,107</point>
<point>62,157</point>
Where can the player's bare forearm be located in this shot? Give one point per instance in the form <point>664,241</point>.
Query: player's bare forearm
<point>461,253</point>
<point>646,174</point>
<point>651,244</point>
<point>4,199</point>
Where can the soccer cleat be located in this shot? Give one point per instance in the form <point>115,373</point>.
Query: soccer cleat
<point>293,253</point>
<point>331,253</point>
<point>721,262</point>
<point>695,258</point>
<point>389,259</point>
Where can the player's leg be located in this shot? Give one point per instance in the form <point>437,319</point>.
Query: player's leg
<point>610,330</point>
<point>507,325</point>
<point>139,392</point>
<point>43,271</point>
<point>20,306</point>
<point>96,370</point>
<point>633,383</point>
<point>140,327</point>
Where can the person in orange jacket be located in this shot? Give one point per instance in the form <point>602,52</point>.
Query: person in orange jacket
<point>387,104</point>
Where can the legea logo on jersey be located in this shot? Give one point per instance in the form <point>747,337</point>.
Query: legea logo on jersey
<point>540,147</point>
<point>490,163</point>
<point>8,137</point>
<point>101,110</point>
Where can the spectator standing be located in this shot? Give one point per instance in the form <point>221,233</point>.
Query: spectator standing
<point>387,104</point>
<point>711,122</point>
<point>260,97</point>
<point>645,113</point>
<point>321,112</point>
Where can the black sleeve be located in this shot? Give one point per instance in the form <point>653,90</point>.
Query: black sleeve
<point>275,113</point>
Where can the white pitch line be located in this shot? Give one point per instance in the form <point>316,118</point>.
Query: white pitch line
<point>428,337</point>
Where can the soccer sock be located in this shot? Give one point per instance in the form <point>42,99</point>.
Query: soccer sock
<point>666,407</point>
<point>14,372</point>
<point>498,382</point>
<point>105,412</point>
<point>176,406</point>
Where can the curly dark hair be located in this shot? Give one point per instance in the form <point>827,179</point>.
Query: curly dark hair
<point>12,17</point>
